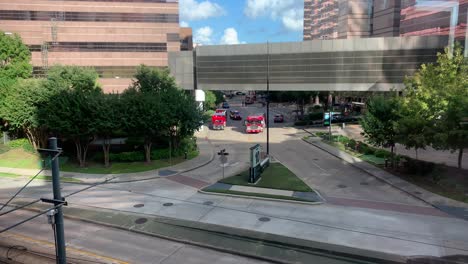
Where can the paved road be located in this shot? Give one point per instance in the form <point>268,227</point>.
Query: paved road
<point>118,244</point>
<point>372,216</point>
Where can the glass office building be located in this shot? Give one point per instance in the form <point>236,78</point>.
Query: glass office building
<point>113,36</point>
<point>331,19</point>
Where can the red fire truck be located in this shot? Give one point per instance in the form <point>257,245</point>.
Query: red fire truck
<point>255,123</point>
<point>218,121</point>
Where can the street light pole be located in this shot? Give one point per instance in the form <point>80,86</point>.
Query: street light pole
<point>268,99</point>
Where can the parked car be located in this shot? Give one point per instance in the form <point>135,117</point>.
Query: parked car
<point>235,115</point>
<point>240,93</point>
<point>278,118</point>
<point>225,105</point>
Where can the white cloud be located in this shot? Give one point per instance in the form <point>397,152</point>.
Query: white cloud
<point>203,36</point>
<point>230,36</point>
<point>183,24</point>
<point>291,12</point>
<point>194,10</point>
<point>293,19</point>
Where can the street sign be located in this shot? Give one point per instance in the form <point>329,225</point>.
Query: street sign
<point>255,168</point>
<point>223,159</point>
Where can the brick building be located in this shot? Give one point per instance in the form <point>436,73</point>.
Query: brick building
<point>113,36</point>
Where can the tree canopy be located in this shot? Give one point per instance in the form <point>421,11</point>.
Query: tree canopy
<point>14,57</point>
<point>440,93</point>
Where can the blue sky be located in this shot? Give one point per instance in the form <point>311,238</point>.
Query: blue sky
<point>242,21</point>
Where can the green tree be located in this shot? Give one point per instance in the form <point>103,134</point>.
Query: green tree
<point>379,123</point>
<point>148,79</point>
<point>157,109</point>
<point>413,128</point>
<point>72,114</point>
<point>184,117</point>
<point>441,90</point>
<point>109,121</point>
<point>71,107</point>
<point>14,57</point>
<point>144,117</point>
<point>210,101</point>
<point>20,106</point>
<point>61,77</point>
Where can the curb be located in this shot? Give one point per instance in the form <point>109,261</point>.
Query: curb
<point>321,247</point>
<point>154,177</point>
<point>377,177</point>
<point>187,242</point>
<point>261,198</point>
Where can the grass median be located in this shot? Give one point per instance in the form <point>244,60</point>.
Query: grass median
<point>276,176</point>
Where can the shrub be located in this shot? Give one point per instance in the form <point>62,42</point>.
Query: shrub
<point>300,123</point>
<point>352,144</point>
<point>21,143</point>
<point>127,156</point>
<point>418,167</point>
<point>207,115</point>
<point>362,147</point>
<point>369,150</point>
<point>343,139</point>
<point>97,157</point>
<point>380,153</point>
<point>315,116</point>
<point>158,154</point>
<point>187,144</point>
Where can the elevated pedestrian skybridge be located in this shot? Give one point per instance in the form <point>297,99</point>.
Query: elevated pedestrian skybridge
<point>366,64</point>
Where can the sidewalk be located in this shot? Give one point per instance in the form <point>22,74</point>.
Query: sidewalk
<point>308,197</point>
<point>433,199</point>
<point>429,154</point>
<point>206,156</point>
<point>254,243</point>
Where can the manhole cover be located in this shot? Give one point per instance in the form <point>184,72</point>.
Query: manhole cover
<point>364,183</point>
<point>138,205</point>
<point>168,204</point>
<point>140,221</point>
<point>264,219</point>
<point>342,186</point>
<point>208,203</point>
<point>418,193</point>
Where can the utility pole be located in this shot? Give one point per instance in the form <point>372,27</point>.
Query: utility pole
<point>268,99</point>
<point>61,252</point>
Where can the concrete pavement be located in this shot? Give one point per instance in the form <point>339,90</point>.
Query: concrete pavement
<point>445,204</point>
<point>102,243</point>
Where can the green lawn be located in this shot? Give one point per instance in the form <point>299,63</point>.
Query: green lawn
<point>256,195</point>
<point>276,176</point>
<point>62,179</point>
<point>373,159</point>
<point>125,167</point>
<point>9,175</point>
<point>18,158</point>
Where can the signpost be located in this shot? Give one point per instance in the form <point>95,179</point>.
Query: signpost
<point>256,164</point>
<point>222,158</point>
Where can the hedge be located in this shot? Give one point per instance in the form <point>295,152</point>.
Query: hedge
<point>380,153</point>
<point>315,116</point>
<point>21,143</point>
<point>132,156</point>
